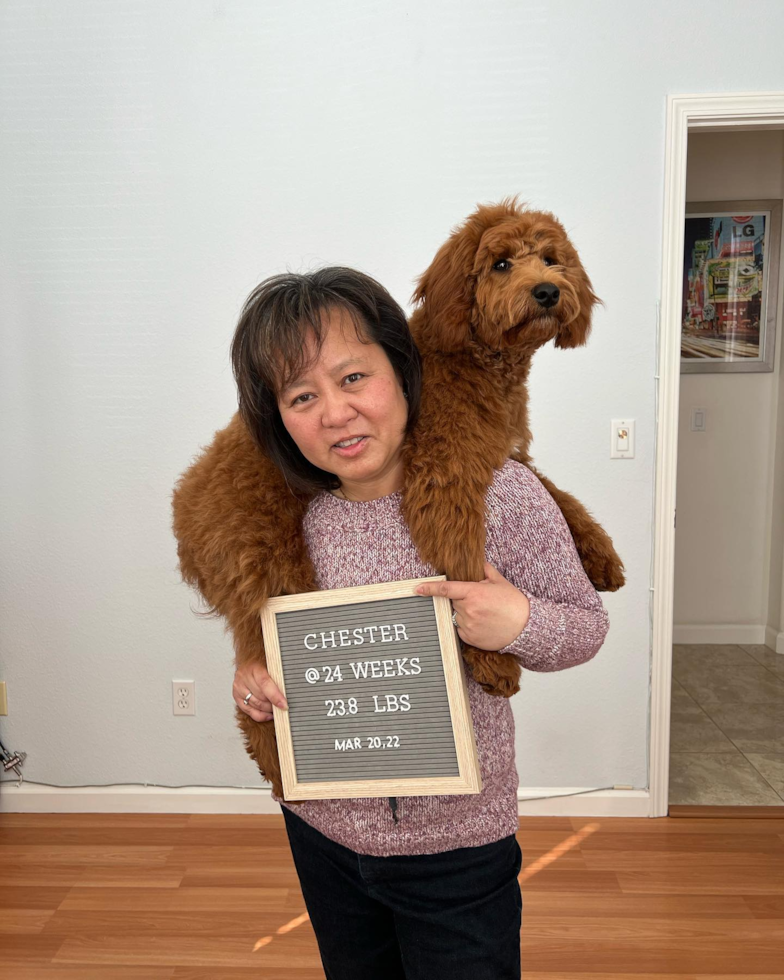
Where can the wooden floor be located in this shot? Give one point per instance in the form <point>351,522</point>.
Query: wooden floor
<point>197,897</point>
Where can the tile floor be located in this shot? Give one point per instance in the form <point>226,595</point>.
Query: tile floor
<point>727,725</point>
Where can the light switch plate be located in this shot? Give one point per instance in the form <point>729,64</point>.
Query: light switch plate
<point>622,439</point>
<point>697,422</point>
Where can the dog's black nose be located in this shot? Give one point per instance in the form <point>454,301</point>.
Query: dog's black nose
<point>546,294</point>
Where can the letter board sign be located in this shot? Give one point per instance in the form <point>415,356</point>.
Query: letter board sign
<point>377,694</point>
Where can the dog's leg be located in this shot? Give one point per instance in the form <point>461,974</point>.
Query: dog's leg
<point>448,467</point>
<point>449,535</point>
<point>258,736</point>
<point>240,540</point>
<point>295,575</point>
<point>600,560</point>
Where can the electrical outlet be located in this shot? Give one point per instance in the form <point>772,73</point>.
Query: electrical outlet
<point>184,697</point>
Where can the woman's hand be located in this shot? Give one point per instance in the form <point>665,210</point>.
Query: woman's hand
<point>490,614</point>
<point>256,679</point>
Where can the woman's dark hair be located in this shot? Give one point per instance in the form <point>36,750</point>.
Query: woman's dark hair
<point>268,352</point>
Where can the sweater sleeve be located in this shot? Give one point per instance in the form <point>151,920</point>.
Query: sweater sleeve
<point>533,548</point>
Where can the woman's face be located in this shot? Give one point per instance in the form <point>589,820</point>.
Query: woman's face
<point>349,390</point>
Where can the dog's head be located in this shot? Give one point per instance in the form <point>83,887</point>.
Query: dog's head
<point>507,277</point>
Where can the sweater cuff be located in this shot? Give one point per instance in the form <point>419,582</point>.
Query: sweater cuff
<point>558,635</point>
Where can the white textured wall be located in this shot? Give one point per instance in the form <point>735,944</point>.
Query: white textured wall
<point>728,547</point>
<point>158,159</point>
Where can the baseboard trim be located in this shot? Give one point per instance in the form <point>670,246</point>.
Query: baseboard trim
<point>720,633</point>
<point>30,798</point>
<point>594,803</point>
<point>774,640</point>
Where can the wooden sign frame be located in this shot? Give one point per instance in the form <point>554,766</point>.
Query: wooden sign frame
<point>469,779</point>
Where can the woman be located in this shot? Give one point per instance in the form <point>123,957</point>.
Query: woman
<point>329,381</point>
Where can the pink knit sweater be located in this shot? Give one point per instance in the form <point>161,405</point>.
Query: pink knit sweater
<point>528,541</point>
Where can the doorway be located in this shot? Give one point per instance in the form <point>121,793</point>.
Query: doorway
<point>692,116</point>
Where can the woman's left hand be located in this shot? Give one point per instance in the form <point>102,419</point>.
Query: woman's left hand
<point>490,614</point>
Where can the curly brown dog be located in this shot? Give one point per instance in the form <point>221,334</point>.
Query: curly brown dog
<point>506,282</point>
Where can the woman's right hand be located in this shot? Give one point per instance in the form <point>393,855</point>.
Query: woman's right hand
<point>255,679</point>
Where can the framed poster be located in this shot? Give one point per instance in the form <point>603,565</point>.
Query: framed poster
<point>377,694</point>
<point>730,286</point>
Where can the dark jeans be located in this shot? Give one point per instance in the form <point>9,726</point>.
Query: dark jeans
<point>449,916</point>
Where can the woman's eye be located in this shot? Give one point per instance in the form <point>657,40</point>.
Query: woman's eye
<point>502,265</point>
<point>299,399</point>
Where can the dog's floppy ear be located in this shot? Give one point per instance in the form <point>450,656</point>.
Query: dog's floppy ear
<point>446,291</point>
<point>575,333</point>
<point>446,288</point>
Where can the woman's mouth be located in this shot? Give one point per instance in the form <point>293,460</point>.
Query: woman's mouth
<point>350,447</point>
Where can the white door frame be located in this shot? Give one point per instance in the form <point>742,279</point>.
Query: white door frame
<point>750,110</point>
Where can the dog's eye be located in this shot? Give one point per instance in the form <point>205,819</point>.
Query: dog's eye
<point>549,261</point>
<point>502,265</point>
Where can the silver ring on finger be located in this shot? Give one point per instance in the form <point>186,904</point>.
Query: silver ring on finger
<point>454,618</point>
<point>247,698</point>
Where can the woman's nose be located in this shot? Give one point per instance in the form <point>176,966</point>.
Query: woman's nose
<point>336,409</point>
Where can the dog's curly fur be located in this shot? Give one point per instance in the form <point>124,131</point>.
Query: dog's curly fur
<point>477,324</point>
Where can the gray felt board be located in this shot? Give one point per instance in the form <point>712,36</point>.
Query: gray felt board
<point>418,742</point>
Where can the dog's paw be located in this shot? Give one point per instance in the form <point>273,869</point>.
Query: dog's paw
<point>496,673</point>
<point>605,572</point>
